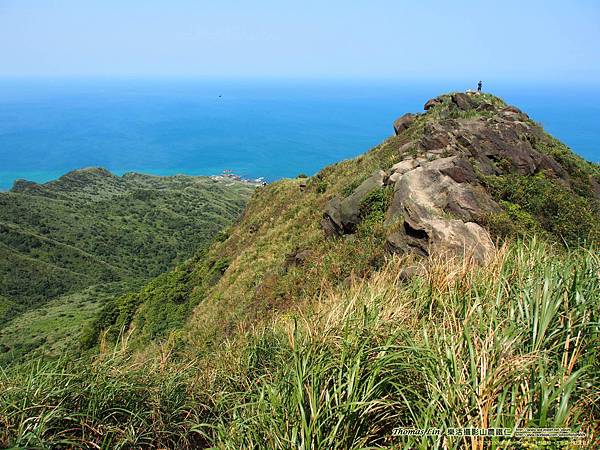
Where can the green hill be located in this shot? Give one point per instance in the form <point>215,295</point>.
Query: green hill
<point>446,278</point>
<point>93,229</point>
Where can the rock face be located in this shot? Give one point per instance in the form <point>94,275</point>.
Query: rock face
<point>343,216</point>
<point>423,197</point>
<point>463,101</point>
<point>403,123</point>
<point>431,103</point>
<point>438,201</point>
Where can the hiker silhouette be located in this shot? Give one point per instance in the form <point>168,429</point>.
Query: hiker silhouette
<point>479,85</point>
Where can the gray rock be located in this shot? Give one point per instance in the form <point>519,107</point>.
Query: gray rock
<point>457,168</point>
<point>595,187</point>
<point>297,258</point>
<point>435,136</point>
<point>343,216</point>
<point>350,206</point>
<point>330,228</point>
<point>451,237</point>
<point>486,107</point>
<point>435,211</point>
<point>409,272</point>
<point>404,166</point>
<point>332,218</point>
<point>433,187</point>
<point>513,111</point>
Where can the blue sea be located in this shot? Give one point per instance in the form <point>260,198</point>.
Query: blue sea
<point>256,128</point>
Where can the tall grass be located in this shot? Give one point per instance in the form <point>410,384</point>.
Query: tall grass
<point>106,404</point>
<point>512,344</point>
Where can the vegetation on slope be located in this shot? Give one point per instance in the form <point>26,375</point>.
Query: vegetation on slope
<point>56,327</point>
<point>91,228</point>
<point>278,254</point>
<point>544,205</point>
<point>510,345</point>
<point>299,340</point>
<point>163,305</point>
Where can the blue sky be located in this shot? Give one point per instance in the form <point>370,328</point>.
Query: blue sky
<point>427,39</point>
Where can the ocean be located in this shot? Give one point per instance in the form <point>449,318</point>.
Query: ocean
<point>255,128</point>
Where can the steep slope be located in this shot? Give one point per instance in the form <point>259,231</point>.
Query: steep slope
<point>91,228</point>
<point>454,179</point>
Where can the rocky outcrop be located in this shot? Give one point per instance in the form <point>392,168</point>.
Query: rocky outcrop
<point>21,185</point>
<point>431,103</point>
<point>343,215</point>
<point>434,208</point>
<point>438,201</point>
<point>463,101</point>
<point>403,123</point>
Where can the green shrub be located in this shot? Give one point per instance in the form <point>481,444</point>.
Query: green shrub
<point>321,186</point>
<point>374,206</point>
<point>580,171</point>
<point>534,202</point>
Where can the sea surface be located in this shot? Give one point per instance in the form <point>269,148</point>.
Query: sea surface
<point>255,128</point>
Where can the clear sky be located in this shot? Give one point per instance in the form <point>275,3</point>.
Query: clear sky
<point>411,39</point>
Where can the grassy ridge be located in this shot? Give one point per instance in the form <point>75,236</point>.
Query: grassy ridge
<point>511,345</point>
<point>283,220</point>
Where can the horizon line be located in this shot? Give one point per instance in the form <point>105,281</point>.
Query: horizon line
<point>291,78</point>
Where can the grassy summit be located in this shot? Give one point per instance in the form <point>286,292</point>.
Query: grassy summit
<point>67,245</point>
<point>446,278</point>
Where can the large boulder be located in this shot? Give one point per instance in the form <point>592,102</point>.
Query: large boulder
<point>403,123</point>
<point>463,101</point>
<point>432,102</point>
<point>343,216</point>
<point>443,237</point>
<point>434,207</point>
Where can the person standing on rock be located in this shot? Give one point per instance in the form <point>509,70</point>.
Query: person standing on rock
<point>479,85</point>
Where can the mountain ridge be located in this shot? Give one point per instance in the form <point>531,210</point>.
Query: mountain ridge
<point>296,234</point>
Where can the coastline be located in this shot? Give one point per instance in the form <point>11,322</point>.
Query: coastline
<point>271,129</point>
<point>223,176</point>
